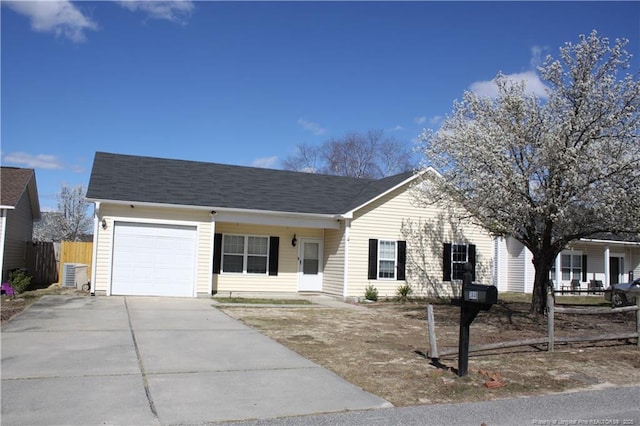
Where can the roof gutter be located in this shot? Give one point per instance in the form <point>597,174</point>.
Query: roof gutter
<point>624,243</point>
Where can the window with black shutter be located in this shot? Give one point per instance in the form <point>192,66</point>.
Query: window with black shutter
<point>454,256</point>
<point>245,254</point>
<point>387,260</point>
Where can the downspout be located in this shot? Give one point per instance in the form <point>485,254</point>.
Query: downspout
<point>607,267</point>
<point>525,272</point>
<point>496,264</point>
<point>94,255</point>
<point>345,277</point>
<point>3,231</point>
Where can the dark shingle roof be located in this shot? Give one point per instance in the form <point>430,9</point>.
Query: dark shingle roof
<point>14,182</point>
<point>129,178</point>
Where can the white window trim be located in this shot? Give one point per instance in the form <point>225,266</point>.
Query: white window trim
<point>466,256</point>
<point>395,260</point>
<point>558,272</point>
<point>245,255</point>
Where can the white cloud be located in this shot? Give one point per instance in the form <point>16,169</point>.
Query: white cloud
<point>58,17</point>
<point>532,81</point>
<point>436,120</point>
<point>174,11</point>
<point>537,56</point>
<point>265,162</point>
<point>40,161</point>
<point>420,120</point>
<point>310,126</point>
<point>396,128</point>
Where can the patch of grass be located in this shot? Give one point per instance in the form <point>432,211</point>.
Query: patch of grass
<point>512,297</point>
<point>597,300</point>
<point>261,301</point>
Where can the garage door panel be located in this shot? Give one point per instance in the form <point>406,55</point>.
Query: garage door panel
<point>153,260</point>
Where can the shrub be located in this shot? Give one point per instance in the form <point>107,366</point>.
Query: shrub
<point>19,281</point>
<point>404,291</point>
<point>371,293</point>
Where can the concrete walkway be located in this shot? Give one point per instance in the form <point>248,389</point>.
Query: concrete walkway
<point>155,361</point>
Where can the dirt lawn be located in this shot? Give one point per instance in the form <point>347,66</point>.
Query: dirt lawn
<point>381,347</point>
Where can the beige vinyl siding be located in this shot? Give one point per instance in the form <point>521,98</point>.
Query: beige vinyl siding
<point>112,213</point>
<point>18,232</point>
<point>382,219</point>
<point>287,279</point>
<point>334,245</point>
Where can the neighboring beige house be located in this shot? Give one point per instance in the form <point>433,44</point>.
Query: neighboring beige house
<point>604,259</point>
<point>19,207</point>
<point>182,228</point>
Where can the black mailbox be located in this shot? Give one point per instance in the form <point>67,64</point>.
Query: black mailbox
<point>478,293</point>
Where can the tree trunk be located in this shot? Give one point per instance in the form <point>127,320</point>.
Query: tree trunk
<point>542,265</point>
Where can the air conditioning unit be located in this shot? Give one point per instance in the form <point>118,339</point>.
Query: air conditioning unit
<point>75,275</point>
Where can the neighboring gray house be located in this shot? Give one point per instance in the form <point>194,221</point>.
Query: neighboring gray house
<point>19,208</point>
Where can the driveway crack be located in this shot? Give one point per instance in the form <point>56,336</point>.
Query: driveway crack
<point>145,382</point>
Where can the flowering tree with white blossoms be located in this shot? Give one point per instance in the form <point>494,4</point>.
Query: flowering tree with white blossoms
<point>70,222</point>
<point>546,171</point>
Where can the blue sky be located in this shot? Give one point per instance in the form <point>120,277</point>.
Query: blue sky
<point>244,83</point>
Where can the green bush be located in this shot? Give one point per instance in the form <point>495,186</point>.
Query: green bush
<point>371,293</point>
<point>404,291</point>
<point>19,281</point>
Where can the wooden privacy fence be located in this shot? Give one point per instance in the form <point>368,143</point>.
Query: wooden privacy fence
<point>44,259</point>
<point>551,339</point>
<point>75,252</point>
<point>41,263</point>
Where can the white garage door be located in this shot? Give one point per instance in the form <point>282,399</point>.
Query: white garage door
<point>153,260</point>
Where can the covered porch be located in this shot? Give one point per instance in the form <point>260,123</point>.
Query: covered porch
<point>592,265</point>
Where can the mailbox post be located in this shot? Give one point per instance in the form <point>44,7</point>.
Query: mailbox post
<point>475,298</point>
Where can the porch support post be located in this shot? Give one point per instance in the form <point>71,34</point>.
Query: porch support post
<point>607,267</point>
<point>345,267</point>
<point>96,240</point>
<point>558,277</point>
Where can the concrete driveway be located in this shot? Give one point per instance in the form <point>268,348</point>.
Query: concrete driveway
<point>155,361</point>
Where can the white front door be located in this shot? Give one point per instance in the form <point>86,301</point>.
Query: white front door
<point>310,264</point>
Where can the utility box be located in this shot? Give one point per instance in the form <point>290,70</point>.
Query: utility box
<point>478,293</point>
<point>75,275</point>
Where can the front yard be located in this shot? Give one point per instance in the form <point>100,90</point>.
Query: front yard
<point>381,348</point>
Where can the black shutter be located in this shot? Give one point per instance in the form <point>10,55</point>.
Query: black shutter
<point>446,262</point>
<point>472,259</point>
<point>274,245</point>
<point>373,259</point>
<point>584,268</point>
<point>217,253</point>
<point>402,260</point>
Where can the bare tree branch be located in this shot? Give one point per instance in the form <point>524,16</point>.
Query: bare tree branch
<point>363,155</point>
